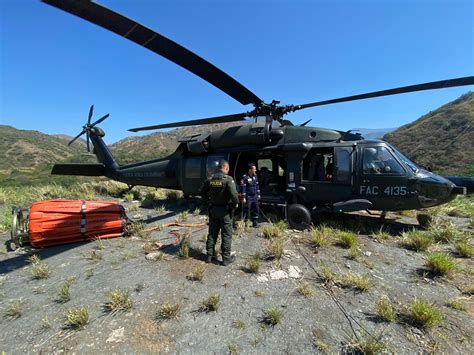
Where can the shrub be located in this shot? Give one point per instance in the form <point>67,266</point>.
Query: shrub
<point>440,264</point>
<point>424,314</point>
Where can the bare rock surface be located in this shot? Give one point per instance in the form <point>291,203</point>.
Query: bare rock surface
<point>329,320</point>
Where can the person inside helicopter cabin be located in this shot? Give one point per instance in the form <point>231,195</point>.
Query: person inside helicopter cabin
<point>329,169</point>
<point>316,168</point>
<point>221,194</point>
<point>250,194</point>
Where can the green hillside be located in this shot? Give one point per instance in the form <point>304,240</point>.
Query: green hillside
<point>27,156</point>
<point>442,139</point>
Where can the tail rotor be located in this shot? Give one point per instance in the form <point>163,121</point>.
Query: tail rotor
<point>87,128</point>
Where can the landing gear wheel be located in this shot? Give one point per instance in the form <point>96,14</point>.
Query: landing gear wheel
<point>299,217</point>
<point>18,232</point>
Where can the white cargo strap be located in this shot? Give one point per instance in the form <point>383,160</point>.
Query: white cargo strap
<point>83,206</point>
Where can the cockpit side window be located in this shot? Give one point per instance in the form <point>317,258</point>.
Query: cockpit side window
<point>379,160</point>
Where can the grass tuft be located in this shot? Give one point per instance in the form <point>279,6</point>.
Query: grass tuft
<point>328,276</point>
<point>306,290</point>
<point>63,294</point>
<point>417,240</point>
<point>346,239</point>
<point>321,236</point>
<point>464,249</point>
<point>253,264</point>
<point>385,310</point>
<point>118,301</point>
<point>367,345</point>
<point>274,248</point>
<point>94,256</point>
<point>14,310</point>
<point>359,282</point>
<point>423,314</point>
<point>211,303</point>
<point>137,230</point>
<point>381,235</point>
<point>40,270</point>
<point>77,318</point>
<point>182,217</point>
<point>443,231</point>
<point>272,232</point>
<point>238,324</point>
<point>197,274</point>
<point>271,316</point>
<point>168,311</point>
<point>440,264</point>
<point>456,304</point>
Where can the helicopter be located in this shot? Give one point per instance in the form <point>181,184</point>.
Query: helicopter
<point>304,169</point>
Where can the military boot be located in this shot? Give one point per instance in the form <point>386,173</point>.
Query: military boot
<point>228,261</point>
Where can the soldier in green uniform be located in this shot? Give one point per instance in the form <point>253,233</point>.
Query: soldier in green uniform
<point>220,191</point>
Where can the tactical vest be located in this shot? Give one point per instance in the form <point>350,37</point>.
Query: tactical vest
<point>218,192</point>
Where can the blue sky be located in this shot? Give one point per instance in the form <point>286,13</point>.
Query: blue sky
<point>54,65</point>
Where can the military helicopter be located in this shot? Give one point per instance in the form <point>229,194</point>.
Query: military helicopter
<point>304,169</point>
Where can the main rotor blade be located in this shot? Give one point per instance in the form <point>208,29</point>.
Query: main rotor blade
<point>157,43</point>
<point>100,120</point>
<point>91,111</point>
<point>76,137</point>
<point>210,120</point>
<point>467,80</point>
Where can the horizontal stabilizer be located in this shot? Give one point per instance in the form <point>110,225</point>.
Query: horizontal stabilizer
<point>79,169</point>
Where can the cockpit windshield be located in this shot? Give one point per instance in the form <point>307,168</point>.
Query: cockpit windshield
<point>405,160</point>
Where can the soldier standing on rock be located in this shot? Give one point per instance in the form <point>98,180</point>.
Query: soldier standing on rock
<point>221,194</point>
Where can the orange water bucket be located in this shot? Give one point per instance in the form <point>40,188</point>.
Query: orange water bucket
<point>67,221</point>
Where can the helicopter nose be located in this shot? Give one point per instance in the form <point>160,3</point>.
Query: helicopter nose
<point>435,190</point>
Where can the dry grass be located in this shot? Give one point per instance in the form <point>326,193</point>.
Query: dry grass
<point>40,270</point>
<point>464,249</point>
<point>168,311</point>
<point>274,248</point>
<point>443,231</point>
<point>77,318</point>
<point>94,256</point>
<point>182,217</point>
<point>197,274</point>
<point>321,236</point>
<point>456,304</point>
<point>14,310</point>
<point>211,303</point>
<point>137,230</point>
<point>328,276</point>
<point>359,282</point>
<point>306,290</point>
<point>417,240</point>
<point>253,264</point>
<point>238,324</point>
<point>381,235</point>
<point>367,345</point>
<point>272,232</point>
<point>385,310</point>
<point>118,301</point>
<point>63,294</point>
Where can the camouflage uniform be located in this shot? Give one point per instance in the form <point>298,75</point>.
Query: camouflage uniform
<point>220,191</point>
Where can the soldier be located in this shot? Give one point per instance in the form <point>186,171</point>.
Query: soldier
<point>250,193</point>
<point>220,192</point>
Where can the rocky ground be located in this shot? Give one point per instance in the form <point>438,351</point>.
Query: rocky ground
<point>336,317</point>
